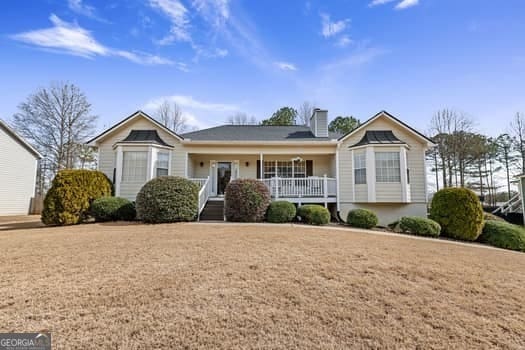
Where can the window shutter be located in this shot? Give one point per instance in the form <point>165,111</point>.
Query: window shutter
<point>258,175</point>
<point>114,175</point>
<point>309,168</point>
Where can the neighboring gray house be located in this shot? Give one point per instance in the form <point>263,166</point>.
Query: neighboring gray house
<point>380,165</point>
<point>18,165</point>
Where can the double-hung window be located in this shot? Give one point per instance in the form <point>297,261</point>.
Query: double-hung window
<point>163,160</point>
<point>284,168</point>
<point>134,166</point>
<point>388,168</point>
<point>360,168</point>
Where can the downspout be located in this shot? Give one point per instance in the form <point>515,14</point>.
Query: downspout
<point>338,206</point>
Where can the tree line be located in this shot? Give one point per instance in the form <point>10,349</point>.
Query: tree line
<point>464,157</point>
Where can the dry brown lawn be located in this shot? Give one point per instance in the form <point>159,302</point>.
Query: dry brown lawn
<point>194,286</point>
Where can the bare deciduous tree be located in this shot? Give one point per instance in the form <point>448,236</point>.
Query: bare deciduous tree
<point>241,118</point>
<point>170,115</point>
<point>305,111</point>
<point>517,127</point>
<point>56,120</point>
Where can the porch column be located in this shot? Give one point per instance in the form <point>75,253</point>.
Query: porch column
<point>261,170</point>
<point>118,170</point>
<point>186,165</point>
<point>325,190</point>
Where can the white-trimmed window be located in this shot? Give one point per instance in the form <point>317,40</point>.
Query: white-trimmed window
<point>388,167</point>
<point>162,166</point>
<point>360,168</point>
<point>134,166</point>
<point>284,168</point>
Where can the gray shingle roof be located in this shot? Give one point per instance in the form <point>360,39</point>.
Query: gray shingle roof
<point>257,133</point>
<point>147,136</point>
<point>378,137</point>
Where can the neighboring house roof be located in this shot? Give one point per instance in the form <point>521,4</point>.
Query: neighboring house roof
<point>130,118</point>
<point>257,133</point>
<point>144,136</point>
<point>378,137</point>
<point>395,120</point>
<point>20,140</point>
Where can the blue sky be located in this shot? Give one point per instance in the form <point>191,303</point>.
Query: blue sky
<point>218,57</point>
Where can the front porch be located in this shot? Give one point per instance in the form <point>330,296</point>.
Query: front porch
<point>297,178</point>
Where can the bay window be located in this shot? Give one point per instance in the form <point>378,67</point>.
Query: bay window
<point>388,167</point>
<point>162,166</point>
<point>134,166</point>
<point>360,168</point>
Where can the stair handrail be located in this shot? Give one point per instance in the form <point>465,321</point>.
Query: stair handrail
<point>204,195</point>
<point>508,205</point>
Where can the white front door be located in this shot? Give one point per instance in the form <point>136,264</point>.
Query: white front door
<point>221,173</point>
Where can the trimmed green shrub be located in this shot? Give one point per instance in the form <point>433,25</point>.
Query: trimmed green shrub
<point>72,191</point>
<point>167,199</point>
<point>490,216</point>
<point>280,211</point>
<point>112,209</point>
<point>419,226</point>
<point>362,218</point>
<point>459,212</point>
<point>314,214</point>
<point>503,235</point>
<point>246,200</point>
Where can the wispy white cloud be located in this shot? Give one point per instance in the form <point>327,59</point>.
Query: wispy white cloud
<point>81,8</point>
<point>401,5</point>
<point>344,41</point>
<point>331,28</point>
<point>72,39</point>
<point>178,16</point>
<point>358,58</point>
<point>215,12</point>
<point>185,101</point>
<point>406,4</point>
<point>285,66</point>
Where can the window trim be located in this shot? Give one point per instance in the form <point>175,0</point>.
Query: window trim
<point>361,167</point>
<point>157,167</point>
<point>388,176</point>
<point>275,165</point>
<point>135,179</point>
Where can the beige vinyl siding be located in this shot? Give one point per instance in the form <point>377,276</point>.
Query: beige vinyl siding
<point>388,192</point>
<point>361,193</point>
<point>415,161</point>
<point>17,176</point>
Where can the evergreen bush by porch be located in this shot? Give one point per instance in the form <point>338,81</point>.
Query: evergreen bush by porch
<point>419,226</point>
<point>280,212</point>
<point>72,191</point>
<point>246,200</point>
<point>112,209</point>
<point>167,199</point>
<point>314,214</point>
<point>362,218</point>
<point>459,212</point>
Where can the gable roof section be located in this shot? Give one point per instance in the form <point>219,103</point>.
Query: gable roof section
<point>379,137</point>
<point>144,136</point>
<point>257,133</point>
<point>413,131</point>
<point>20,140</point>
<point>127,120</point>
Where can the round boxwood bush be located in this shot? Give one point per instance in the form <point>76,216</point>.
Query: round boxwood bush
<point>72,191</point>
<point>419,226</point>
<point>246,200</point>
<point>167,199</point>
<point>503,235</point>
<point>459,212</point>
<point>314,214</point>
<point>362,218</point>
<point>280,211</point>
<point>112,209</point>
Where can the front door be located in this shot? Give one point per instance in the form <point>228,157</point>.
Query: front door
<point>224,173</point>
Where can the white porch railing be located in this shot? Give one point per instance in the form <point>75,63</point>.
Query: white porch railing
<point>305,187</point>
<point>199,181</point>
<point>204,194</point>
